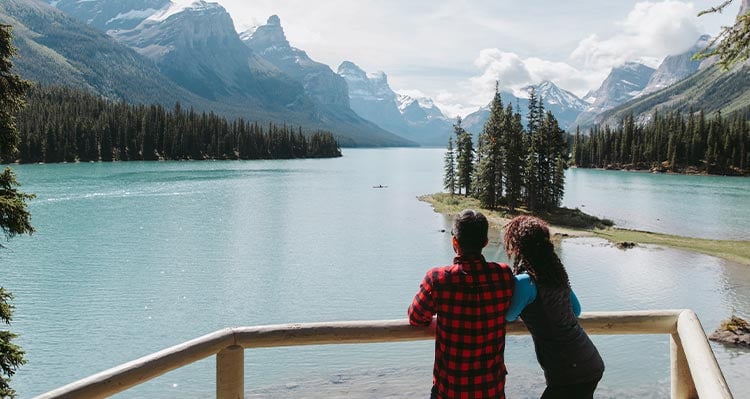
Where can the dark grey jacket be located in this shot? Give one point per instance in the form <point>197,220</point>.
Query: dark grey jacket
<point>563,349</point>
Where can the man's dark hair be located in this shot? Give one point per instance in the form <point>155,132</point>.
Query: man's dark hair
<point>470,229</point>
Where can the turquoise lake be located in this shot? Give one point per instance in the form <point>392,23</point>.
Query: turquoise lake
<point>130,258</point>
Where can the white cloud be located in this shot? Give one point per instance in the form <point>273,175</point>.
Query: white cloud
<point>453,105</point>
<point>650,32</point>
<point>573,44</point>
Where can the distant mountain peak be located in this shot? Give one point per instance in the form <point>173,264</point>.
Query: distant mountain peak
<point>268,36</point>
<point>274,20</point>
<point>351,71</point>
<point>623,83</point>
<point>372,98</point>
<point>552,94</point>
<point>675,68</point>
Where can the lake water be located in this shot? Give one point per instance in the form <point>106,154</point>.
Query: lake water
<point>130,258</point>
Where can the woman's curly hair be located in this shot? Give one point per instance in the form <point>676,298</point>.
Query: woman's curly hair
<point>527,242</point>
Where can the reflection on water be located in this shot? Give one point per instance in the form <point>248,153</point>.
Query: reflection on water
<point>130,258</point>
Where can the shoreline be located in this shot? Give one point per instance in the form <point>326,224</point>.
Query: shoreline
<point>663,172</point>
<point>734,251</point>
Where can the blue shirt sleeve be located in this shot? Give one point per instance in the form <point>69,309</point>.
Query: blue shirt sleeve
<point>575,303</point>
<point>524,292</point>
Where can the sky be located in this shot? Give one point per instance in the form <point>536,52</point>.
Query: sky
<point>454,51</point>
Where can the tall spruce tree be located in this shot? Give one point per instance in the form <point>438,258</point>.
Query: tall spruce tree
<point>558,161</point>
<point>14,217</point>
<point>449,179</point>
<point>489,173</point>
<point>464,157</point>
<point>515,154</point>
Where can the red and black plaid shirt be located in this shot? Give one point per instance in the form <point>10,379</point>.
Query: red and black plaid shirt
<point>470,299</point>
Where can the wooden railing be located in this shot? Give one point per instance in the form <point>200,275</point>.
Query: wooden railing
<point>694,370</point>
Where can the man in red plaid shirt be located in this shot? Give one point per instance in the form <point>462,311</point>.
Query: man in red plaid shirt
<point>470,299</point>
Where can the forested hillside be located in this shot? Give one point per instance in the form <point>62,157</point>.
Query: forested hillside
<point>671,141</point>
<point>66,125</point>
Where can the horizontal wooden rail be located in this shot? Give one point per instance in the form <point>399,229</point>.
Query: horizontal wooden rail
<point>690,345</point>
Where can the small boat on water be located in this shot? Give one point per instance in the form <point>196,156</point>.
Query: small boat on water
<point>380,186</point>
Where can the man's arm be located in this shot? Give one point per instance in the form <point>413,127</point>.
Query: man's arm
<point>423,306</point>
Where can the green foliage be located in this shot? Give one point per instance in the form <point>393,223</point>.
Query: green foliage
<point>732,44</point>
<point>464,157</point>
<point>67,125</point>
<point>489,173</point>
<point>12,88</point>
<point>14,217</point>
<point>449,180</point>
<point>515,153</point>
<point>514,167</point>
<point>673,142</point>
<point>11,356</point>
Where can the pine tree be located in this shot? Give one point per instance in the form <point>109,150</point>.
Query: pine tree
<point>464,157</point>
<point>14,217</point>
<point>514,158</point>
<point>489,171</point>
<point>449,181</point>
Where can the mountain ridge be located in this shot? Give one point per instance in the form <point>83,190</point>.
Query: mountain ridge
<point>58,49</point>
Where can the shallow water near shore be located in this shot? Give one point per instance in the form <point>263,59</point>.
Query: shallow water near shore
<point>130,258</point>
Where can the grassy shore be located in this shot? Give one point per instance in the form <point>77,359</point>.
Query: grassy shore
<point>567,223</point>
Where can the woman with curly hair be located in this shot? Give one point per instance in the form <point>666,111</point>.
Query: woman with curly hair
<point>549,308</point>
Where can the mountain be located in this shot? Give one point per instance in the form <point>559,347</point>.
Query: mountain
<point>193,50</point>
<point>426,123</point>
<point>371,97</point>
<point>198,48</point>
<point>111,14</point>
<point>54,48</point>
<point>565,105</point>
<point>675,68</point>
<point>319,81</point>
<point>417,119</point>
<point>622,84</point>
<point>711,89</point>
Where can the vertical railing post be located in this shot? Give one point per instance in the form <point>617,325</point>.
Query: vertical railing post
<point>682,383</point>
<point>230,373</point>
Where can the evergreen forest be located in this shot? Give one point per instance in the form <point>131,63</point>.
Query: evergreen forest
<point>511,166</point>
<point>670,142</point>
<point>61,124</point>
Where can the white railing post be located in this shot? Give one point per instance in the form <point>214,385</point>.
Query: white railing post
<point>681,380</point>
<point>230,373</point>
<point>706,374</point>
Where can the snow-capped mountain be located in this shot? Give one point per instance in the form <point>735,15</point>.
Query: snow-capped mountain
<point>112,14</point>
<point>198,47</point>
<point>371,97</point>
<point>674,68</point>
<point>195,45</point>
<point>565,105</point>
<point>418,110</point>
<point>623,83</point>
<point>320,82</point>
